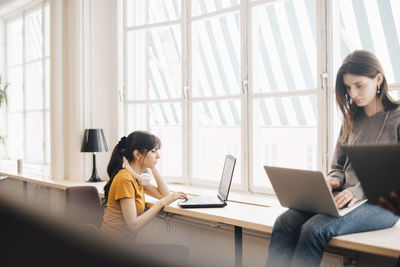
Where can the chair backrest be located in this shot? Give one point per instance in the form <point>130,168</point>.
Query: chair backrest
<point>83,205</point>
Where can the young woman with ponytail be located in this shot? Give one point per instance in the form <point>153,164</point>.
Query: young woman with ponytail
<point>132,163</point>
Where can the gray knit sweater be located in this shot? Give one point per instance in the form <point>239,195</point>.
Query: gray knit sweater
<point>379,128</point>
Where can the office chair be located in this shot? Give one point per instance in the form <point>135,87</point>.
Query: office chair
<point>83,206</point>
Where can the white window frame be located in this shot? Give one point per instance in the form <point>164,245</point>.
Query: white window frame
<point>22,14</point>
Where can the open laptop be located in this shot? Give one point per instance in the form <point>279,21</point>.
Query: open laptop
<point>219,200</point>
<point>377,167</point>
<point>305,190</point>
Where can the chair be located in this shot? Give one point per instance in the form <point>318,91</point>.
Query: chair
<point>83,206</point>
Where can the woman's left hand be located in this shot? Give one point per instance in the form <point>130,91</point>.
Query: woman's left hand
<point>345,198</point>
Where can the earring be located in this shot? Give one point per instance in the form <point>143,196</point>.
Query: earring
<point>137,158</point>
<point>378,91</point>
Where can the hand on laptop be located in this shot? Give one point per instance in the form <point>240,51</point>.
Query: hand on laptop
<point>333,183</point>
<point>172,196</point>
<point>392,203</point>
<point>345,198</point>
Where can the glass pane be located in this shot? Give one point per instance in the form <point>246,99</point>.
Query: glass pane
<point>372,25</point>
<point>141,12</point>
<point>14,42</point>
<point>15,136</point>
<point>34,136</point>
<point>15,95</point>
<point>395,94</point>
<point>154,63</point>
<point>47,29</point>
<point>284,134</point>
<point>284,53</point>
<point>216,132</point>
<point>33,86</point>
<point>216,55</point>
<point>200,7</point>
<point>165,121</point>
<point>33,35</point>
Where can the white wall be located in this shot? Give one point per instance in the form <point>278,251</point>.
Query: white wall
<point>85,83</point>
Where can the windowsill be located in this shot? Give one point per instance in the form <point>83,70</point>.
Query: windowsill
<point>234,196</point>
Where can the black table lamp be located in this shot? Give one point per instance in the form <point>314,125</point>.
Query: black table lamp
<point>94,141</point>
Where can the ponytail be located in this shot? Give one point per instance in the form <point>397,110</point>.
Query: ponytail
<point>114,165</point>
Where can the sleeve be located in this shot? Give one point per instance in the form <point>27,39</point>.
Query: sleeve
<point>337,165</point>
<point>125,189</point>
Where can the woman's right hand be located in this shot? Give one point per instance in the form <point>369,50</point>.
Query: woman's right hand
<point>172,196</point>
<point>333,183</point>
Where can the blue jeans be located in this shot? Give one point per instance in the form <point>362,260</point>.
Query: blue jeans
<point>299,238</point>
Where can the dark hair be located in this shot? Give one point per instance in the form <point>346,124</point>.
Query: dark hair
<point>364,63</point>
<point>142,141</point>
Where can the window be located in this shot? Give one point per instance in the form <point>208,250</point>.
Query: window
<point>153,99</point>
<point>27,71</point>
<point>246,78</point>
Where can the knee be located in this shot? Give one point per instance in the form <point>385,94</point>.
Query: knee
<point>285,223</point>
<point>311,231</point>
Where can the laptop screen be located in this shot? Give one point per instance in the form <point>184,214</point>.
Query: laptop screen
<point>226,178</point>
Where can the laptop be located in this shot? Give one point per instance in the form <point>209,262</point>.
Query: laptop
<point>219,200</point>
<point>377,167</point>
<point>305,190</point>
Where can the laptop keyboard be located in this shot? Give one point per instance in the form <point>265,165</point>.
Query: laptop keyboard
<point>203,200</point>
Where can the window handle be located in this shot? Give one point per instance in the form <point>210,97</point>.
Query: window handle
<point>186,92</point>
<point>324,81</point>
<point>245,87</point>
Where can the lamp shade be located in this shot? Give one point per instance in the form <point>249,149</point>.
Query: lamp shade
<point>94,141</point>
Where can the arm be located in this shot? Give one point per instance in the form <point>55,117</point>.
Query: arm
<point>161,190</point>
<point>134,222</point>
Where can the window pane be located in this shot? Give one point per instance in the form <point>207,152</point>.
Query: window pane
<point>216,56</point>
<point>14,42</point>
<point>15,136</point>
<point>34,136</point>
<point>47,30</point>
<point>154,63</point>
<point>284,53</point>
<point>15,95</point>
<point>284,134</point>
<point>165,121</point>
<point>216,132</point>
<point>141,12</point>
<point>372,25</point>
<point>200,7</point>
<point>33,35</point>
<point>33,85</point>
<point>395,94</point>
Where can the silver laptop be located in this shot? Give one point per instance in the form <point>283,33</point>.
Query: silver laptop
<point>219,200</point>
<point>305,190</point>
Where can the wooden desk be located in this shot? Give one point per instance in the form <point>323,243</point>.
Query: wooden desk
<point>255,217</point>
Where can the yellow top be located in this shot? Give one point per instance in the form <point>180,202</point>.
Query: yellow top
<point>124,185</point>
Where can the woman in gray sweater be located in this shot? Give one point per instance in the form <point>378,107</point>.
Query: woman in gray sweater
<point>369,116</point>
